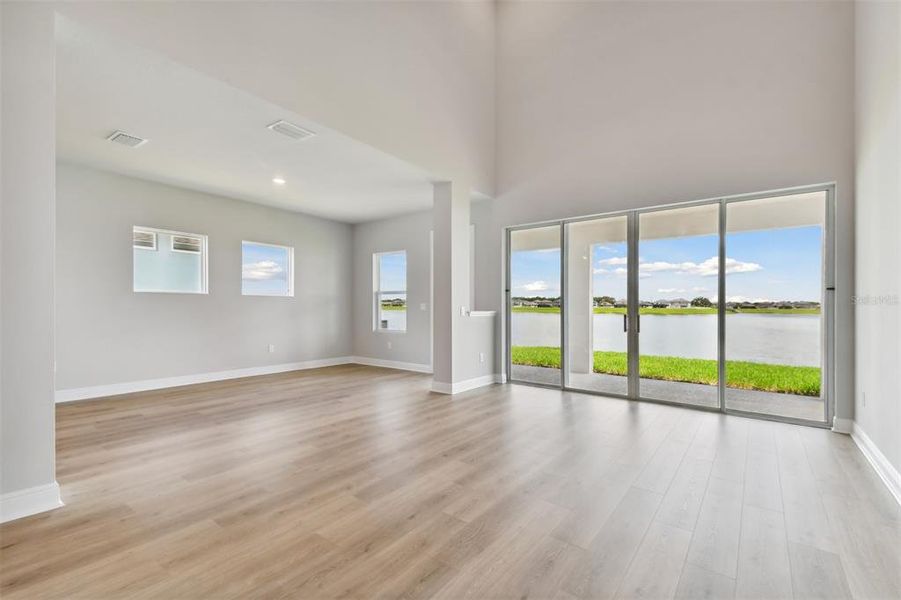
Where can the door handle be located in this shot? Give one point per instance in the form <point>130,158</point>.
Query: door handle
<point>638,323</point>
<point>625,323</point>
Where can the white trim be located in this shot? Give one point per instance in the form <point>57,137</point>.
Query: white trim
<point>459,387</point>
<point>30,501</point>
<point>482,313</point>
<point>840,425</point>
<point>391,364</point>
<point>886,471</point>
<point>114,389</point>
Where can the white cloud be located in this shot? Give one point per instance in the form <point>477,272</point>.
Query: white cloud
<point>700,288</point>
<point>707,268</point>
<point>745,299</point>
<point>262,270</point>
<point>535,286</point>
<point>670,290</point>
<point>606,249</point>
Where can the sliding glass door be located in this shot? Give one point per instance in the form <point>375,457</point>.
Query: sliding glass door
<point>722,304</point>
<point>775,287</point>
<point>597,300</point>
<point>534,305</point>
<point>677,294</point>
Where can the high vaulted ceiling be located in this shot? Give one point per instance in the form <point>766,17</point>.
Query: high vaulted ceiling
<point>209,136</point>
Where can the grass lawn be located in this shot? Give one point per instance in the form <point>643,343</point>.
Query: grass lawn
<point>677,311</point>
<point>803,381</point>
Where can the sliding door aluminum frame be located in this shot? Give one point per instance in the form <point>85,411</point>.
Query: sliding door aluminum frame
<point>508,302</point>
<point>632,310</point>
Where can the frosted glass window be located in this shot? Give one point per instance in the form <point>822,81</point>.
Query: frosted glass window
<point>169,261</point>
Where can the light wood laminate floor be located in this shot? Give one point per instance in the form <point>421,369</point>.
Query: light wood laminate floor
<point>358,482</point>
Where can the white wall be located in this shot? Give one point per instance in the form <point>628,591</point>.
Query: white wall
<point>108,334</point>
<point>878,272</point>
<point>27,480</point>
<point>409,233</point>
<point>415,79</point>
<point>615,105</point>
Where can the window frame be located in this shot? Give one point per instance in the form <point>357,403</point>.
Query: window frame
<point>204,259</point>
<point>172,247</point>
<point>377,291</point>
<point>136,229</point>
<point>290,277</point>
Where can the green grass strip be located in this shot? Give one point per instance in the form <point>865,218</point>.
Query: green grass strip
<point>787,379</point>
<point>676,311</point>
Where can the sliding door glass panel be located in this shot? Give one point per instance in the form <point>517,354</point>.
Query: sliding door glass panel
<point>677,290</point>
<point>775,264</point>
<point>596,303</point>
<point>535,305</point>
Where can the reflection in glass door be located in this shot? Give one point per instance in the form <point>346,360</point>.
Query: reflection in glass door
<point>535,305</point>
<point>723,304</point>
<point>775,306</point>
<point>596,299</point>
<point>677,292</point>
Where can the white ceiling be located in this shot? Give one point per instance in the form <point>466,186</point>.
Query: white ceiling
<point>208,136</point>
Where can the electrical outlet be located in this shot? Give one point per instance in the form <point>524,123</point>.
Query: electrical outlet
<point>423,306</point>
<point>389,345</point>
<point>271,348</point>
<point>481,357</point>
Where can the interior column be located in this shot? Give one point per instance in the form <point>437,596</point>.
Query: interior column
<point>451,280</point>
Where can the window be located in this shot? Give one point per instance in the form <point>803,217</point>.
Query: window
<point>390,291</point>
<point>169,261</point>
<point>186,243</point>
<point>144,239</point>
<point>266,269</point>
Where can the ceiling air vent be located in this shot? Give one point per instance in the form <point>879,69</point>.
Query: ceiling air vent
<point>132,141</point>
<point>291,130</point>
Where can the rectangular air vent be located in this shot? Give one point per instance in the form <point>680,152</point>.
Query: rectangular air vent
<point>291,130</point>
<point>132,141</point>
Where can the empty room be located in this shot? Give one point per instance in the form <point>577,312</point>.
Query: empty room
<point>522,299</point>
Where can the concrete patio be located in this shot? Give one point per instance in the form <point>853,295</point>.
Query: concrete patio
<point>782,405</point>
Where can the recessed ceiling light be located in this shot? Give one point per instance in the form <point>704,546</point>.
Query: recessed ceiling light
<point>278,180</point>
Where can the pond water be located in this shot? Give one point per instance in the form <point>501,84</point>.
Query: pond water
<point>767,338</point>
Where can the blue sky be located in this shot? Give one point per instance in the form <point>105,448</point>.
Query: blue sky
<point>772,264</point>
<point>264,269</point>
<point>393,271</point>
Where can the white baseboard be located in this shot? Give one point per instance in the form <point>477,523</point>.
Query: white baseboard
<point>30,501</point>
<point>114,389</point>
<point>391,364</point>
<point>886,471</point>
<point>840,425</point>
<point>459,387</point>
